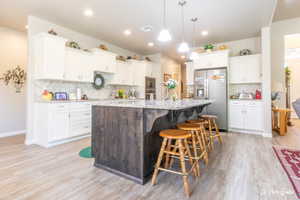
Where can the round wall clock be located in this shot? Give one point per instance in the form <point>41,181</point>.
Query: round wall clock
<point>98,81</point>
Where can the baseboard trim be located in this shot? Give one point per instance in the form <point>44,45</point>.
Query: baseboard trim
<point>13,133</point>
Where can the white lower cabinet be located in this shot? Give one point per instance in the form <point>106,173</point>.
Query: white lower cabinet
<point>57,123</point>
<point>246,116</point>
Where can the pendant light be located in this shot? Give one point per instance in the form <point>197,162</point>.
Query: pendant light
<point>164,35</point>
<point>194,55</point>
<point>183,47</point>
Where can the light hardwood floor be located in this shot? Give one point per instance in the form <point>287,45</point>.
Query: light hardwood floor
<point>243,168</point>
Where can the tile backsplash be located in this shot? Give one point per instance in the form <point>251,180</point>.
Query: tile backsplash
<point>70,87</point>
<point>243,88</point>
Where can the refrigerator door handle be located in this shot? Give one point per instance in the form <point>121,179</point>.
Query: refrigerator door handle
<point>206,88</point>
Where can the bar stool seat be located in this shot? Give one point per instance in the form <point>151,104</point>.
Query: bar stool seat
<point>209,116</point>
<point>174,134</point>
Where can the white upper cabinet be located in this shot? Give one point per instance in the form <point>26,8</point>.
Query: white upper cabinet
<point>212,60</point>
<point>49,57</point>
<point>78,66</point>
<point>245,69</point>
<point>189,73</point>
<point>104,61</point>
<point>123,75</point>
<point>138,71</point>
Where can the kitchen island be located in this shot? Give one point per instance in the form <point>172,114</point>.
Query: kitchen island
<point>125,133</point>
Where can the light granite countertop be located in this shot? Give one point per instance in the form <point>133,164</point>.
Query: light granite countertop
<point>154,104</point>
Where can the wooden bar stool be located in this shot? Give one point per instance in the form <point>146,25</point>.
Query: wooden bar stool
<point>197,143</point>
<point>202,123</point>
<point>212,125</point>
<point>181,144</point>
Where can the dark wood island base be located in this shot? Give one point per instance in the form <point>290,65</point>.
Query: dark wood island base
<point>125,140</point>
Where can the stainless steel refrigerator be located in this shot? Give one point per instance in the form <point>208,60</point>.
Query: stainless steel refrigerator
<point>212,84</point>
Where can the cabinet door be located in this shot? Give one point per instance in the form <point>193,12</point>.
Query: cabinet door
<point>236,115</point>
<point>211,60</point>
<point>80,119</point>
<point>252,68</point>
<point>236,72</point>
<point>58,122</point>
<point>78,66</point>
<point>138,72</point>
<point>189,73</point>
<point>253,116</point>
<point>49,57</point>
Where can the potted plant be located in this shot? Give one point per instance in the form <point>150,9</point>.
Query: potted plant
<point>171,85</point>
<point>209,47</point>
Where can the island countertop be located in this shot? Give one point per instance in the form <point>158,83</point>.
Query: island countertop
<point>154,104</point>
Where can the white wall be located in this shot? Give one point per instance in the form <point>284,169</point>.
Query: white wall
<point>266,84</point>
<point>278,31</point>
<point>254,44</point>
<point>13,52</point>
<point>35,26</point>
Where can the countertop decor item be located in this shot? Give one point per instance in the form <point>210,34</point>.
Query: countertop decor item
<point>171,84</point>
<point>48,96</point>
<point>73,44</point>
<point>208,47</point>
<point>245,52</point>
<point>17,76</point>
<point>148,59</point>
<point>60,96</point>
<point>98,81</point>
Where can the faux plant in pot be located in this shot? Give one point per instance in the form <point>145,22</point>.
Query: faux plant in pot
<point>171,85</point>
<point>209,47</point>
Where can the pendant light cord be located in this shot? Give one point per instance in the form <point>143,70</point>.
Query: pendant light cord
<point>164,14</point>
<point>182,3</point>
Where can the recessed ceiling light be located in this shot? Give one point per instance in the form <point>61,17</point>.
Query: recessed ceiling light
<point>204,33</point>
<point>147,28</point>
<point>127,32</point>
<point>150,44</point>
<point>88,13</point>
<point>26,26</point>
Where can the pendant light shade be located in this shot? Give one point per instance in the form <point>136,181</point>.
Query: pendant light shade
<point>183,47</point>
<point>194,55</point>
<point>164,35</point>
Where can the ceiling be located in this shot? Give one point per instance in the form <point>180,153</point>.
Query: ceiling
<point>287,9</point>
<point>225,20</point>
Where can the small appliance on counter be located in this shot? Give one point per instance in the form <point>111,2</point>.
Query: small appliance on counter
<point>78,94</point>
<point>258,94</point>
<point>246,96</point>
<point>60,96</point>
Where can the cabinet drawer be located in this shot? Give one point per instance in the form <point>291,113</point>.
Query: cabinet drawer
<point>61,107</point>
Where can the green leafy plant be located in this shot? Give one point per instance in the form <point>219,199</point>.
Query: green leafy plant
<point>209,46</point>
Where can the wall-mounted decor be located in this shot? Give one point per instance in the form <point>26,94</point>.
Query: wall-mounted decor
<point>17,76</point>
<point>98,81</point>
<point>167,77</point>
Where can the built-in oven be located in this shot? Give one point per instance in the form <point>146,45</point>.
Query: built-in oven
<point>150,88</point>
